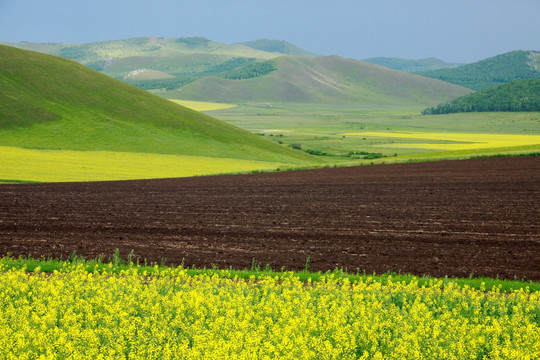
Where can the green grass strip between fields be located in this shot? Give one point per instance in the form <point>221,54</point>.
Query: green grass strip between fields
<point>116,264</point>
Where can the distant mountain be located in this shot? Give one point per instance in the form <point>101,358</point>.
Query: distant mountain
<point>48,102</point>
<point>329,79</point>
<point>144,46</point>
<point>515,65</point>
<point>278,46</point>
<point>411,66</point>
<point>519,95</point>
<point>176,61</point>
<point>208,70</point>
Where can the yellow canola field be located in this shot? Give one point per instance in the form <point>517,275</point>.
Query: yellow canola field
<point>203,106</point>
<point>66,165</point>
<point>452,141</point>
<point>73,314</point>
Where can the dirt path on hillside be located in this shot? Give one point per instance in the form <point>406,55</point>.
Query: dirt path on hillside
<point>450,218</point>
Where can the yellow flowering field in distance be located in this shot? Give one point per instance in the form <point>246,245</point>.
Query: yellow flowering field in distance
<point>75,314</point>
<point>203,106</point>
<point>66,165</point>
<point>452,141</point>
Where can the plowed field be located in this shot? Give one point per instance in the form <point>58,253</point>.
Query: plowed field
<point>450,218</point>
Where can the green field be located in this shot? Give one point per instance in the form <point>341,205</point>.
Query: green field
<point>396,133</point>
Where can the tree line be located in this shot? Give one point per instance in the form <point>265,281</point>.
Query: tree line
<point>519,95</point>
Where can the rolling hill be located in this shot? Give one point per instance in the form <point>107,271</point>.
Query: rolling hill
<point>48,102</point>
<point>278,46</point>
<point>409,65</point>
<point>111,51</point>
<point>519,95</point>
<point>178,60</point>
<point>515,65</point>
<point>329,79</point>
<point>210,71</point>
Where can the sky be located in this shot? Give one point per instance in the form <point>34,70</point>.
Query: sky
<point>460,31</point>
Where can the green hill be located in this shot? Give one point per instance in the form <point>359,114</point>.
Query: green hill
<point>409,65</point>
<point>181,60</point>
<point>278,46</point>
<point>515,65</point>
<point>329,79</point>
<point>144,46</point>
<point>47,102</point>
<point>519,95</point>
<point>211,71</point>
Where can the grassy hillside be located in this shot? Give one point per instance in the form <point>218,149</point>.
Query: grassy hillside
<point>179,60</point>
<point>278,46</point>
<point>519,95</point>
<point>48,102</point>
<point>329,79</point>
<point>409,65</point>
<point>170,64</point>
<point>515,65</point>
<point>143,46</point>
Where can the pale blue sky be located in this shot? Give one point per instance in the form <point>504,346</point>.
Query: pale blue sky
<point>453,30</point>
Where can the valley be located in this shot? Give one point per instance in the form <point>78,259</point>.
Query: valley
<point>303,103</point>
<point>326,128</point>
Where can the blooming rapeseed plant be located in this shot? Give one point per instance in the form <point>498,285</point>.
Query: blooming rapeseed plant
<point>74,314</point>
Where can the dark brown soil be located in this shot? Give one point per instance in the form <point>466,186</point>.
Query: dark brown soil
<point>450,218</point>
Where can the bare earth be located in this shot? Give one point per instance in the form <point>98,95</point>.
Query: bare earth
<point>440,218</point>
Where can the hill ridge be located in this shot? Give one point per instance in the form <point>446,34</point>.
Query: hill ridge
<point>278,46</point>
<point>411,65</point>
<point>510,66</point>
<point>324,79</point>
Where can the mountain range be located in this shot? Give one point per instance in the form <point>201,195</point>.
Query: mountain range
<point>410,65</point>
<point>265,70</point>
<point>196,68</point>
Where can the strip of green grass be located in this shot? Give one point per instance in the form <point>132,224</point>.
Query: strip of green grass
<point>116,264</point>
<point>15,181</point>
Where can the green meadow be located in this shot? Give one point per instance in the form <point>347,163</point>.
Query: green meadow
<point>348,133</point>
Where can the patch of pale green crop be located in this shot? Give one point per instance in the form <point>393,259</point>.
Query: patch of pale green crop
<point>203,106</point>
<point>66,165</point>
